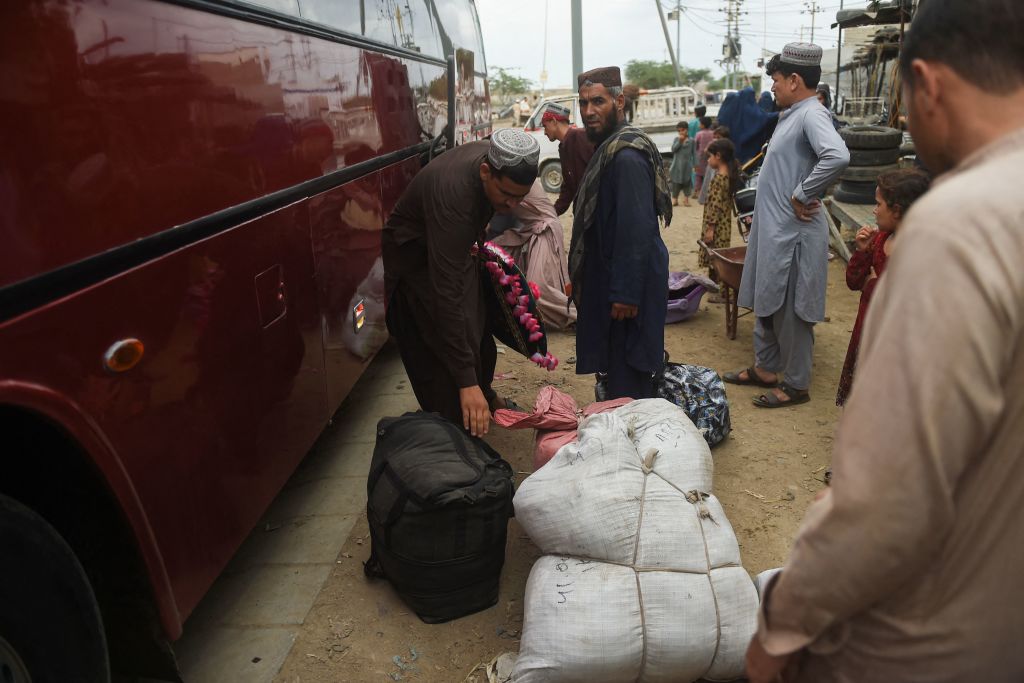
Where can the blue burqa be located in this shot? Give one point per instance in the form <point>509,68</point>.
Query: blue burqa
<point>749,124</point>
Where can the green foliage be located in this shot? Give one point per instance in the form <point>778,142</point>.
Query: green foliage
<point>507,85</point>
<point>650,74</point>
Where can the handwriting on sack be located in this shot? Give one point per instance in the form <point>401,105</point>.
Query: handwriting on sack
<point>586,449</point>
<point>666,432</point>
<point>569,567</point>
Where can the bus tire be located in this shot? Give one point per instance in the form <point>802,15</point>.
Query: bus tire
<point>50,624</point>
<point>551,177</point>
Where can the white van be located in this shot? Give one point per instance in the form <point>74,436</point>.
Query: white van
<point>656,112</point>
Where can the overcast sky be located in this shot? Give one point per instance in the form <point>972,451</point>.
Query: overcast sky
<point>616,31</point>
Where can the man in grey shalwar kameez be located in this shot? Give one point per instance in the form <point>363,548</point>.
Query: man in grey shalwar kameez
<point>786,268</point>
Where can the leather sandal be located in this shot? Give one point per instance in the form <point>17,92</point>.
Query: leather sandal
<point>770,400</point>
<point>753,379</point>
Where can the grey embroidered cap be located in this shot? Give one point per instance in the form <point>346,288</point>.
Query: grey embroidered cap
<point>801,54</point>
<point>510,147</point>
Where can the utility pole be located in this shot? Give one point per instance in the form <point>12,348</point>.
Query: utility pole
<point>679,58</point>
<point>813,9</point>
<point>731,48</point>
<point>544,59</point>
<point>676,15</point>
<point>668,40</point>
<point>577,37</point>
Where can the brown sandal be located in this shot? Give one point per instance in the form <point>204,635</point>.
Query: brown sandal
<point>753,379</point>
<point>770,400</point>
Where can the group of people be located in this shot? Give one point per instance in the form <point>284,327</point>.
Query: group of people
<point>907,567</point>
<point>613,285</point>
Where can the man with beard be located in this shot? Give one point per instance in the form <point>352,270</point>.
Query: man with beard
<point>908,568</point>
<point>618,263</point>
<point>574,151</point>
<point>436,308</point>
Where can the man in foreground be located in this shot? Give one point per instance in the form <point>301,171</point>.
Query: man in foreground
<point>909,567</point>
<point>786,267</point>
<point>435,306</point>
<point>618,263</point>
<point>574,151</point>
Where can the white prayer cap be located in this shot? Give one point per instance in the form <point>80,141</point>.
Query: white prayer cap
<point>511,147</point>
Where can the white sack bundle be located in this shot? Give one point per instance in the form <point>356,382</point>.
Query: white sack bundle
<point>643,579</point>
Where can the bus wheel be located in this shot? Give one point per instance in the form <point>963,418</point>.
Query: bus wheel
<point>50,625</point>
<point>551,177</point>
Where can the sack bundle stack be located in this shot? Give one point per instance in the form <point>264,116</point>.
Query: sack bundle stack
<point>641,579</point>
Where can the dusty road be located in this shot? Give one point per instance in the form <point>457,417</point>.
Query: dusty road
<point>766,474</point>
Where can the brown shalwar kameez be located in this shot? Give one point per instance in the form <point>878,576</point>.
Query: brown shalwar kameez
<point>911,568</point>
<point>574,154</point>
<point>436,310</point>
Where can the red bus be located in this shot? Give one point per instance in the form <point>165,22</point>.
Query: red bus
<point>191,200</point>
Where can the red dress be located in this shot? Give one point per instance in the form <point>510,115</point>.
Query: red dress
<point>858,277</point>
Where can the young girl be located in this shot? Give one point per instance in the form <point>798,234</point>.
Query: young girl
<point>701,141</point>
<point>896,191</point>
<point>719,209</point>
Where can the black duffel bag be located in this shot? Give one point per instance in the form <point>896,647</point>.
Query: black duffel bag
<point>438,503</point>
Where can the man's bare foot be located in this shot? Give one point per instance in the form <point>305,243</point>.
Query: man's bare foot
<point>686,202</point>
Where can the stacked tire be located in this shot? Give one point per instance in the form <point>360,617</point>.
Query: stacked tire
<point>873,150</point>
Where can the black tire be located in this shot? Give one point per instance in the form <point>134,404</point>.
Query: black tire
<point>875,157</point>
<point>841,195</point>
<point>50,624</point>
<point>866,190</point>
<point>551,177</point>
<point>871,137</point>
<point>865,173</point>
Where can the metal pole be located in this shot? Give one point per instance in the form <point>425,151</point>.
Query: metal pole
<point>814,14</point>
<point>668,40</point>
<point>577,37</point>
<point>679,24</point>
<point>839,64</point>
<point>544,59</point>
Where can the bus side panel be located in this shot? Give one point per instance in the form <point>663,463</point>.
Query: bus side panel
<point>227,398</point>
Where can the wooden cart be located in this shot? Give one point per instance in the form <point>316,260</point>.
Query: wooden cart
<point>728,263</point>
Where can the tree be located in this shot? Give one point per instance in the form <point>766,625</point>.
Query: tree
<point>506,85</point>
<point>650,74</point>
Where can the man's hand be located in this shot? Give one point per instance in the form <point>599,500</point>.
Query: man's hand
<point>765,668</point>
<point>805,212</point>
<point>476,414</point>
<point>624,311</point>
<point>863,237</point>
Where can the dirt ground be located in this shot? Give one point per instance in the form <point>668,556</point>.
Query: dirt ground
<point>766,474</point>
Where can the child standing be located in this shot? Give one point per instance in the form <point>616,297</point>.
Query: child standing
<point>680,173</point>
<point>720,207</point>
<point>701,141</point>
<point>717,133</point>
<point>896,191</point>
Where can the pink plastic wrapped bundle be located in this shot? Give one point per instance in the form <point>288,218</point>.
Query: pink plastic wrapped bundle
<point>556,417</point>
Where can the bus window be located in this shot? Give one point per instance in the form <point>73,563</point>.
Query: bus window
<point>408,25</point>
<point>458,17</point>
